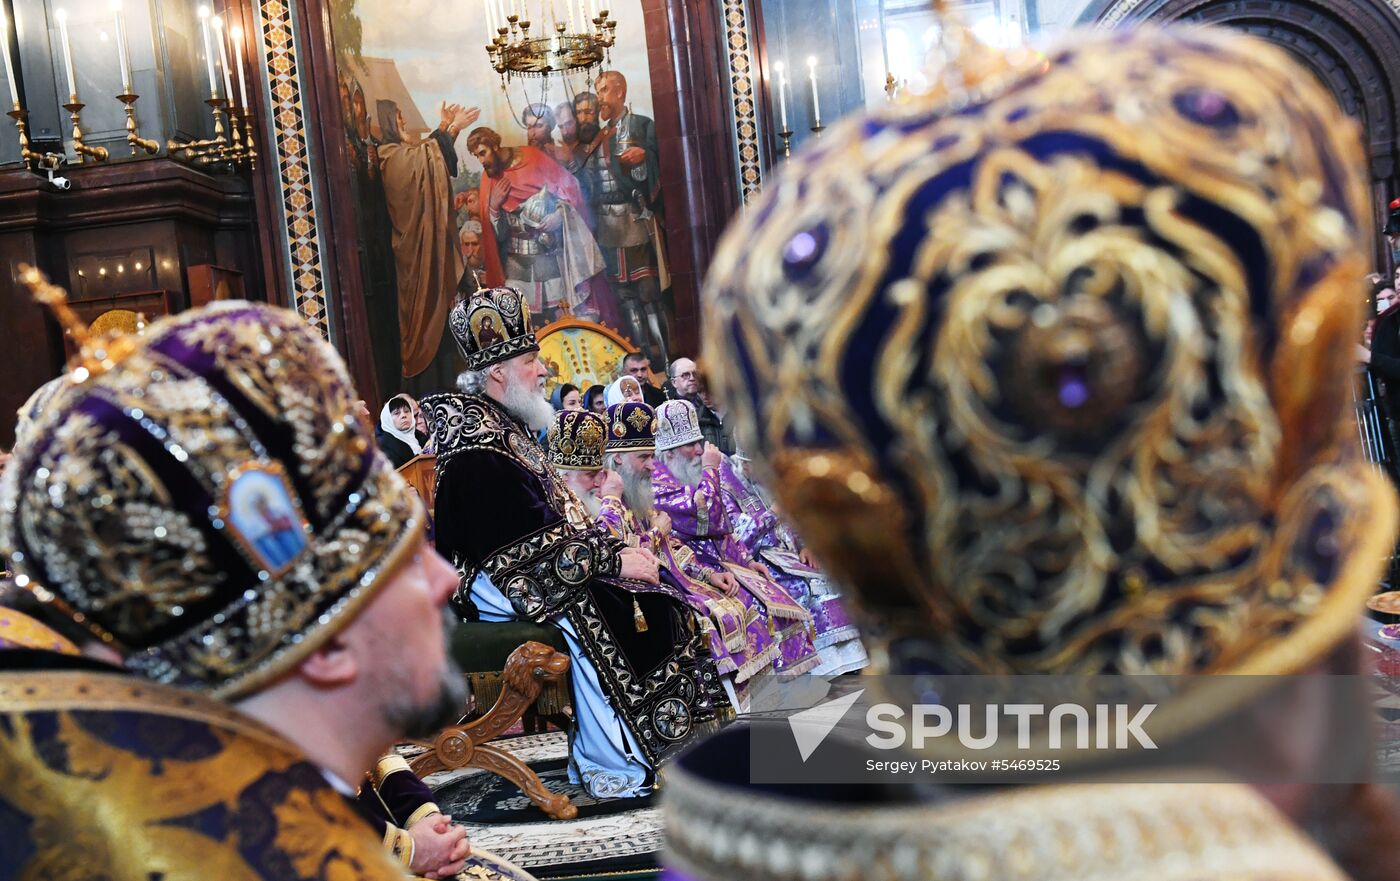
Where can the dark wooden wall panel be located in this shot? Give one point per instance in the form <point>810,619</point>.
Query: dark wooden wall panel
<point>156,212</point>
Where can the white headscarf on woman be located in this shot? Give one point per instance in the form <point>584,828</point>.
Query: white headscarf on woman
<point>386,422</point>
<point>613,393</point>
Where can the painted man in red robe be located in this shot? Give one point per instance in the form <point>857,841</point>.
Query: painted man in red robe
<point>535,237</point>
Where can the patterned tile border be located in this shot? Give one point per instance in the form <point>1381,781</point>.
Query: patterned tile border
<point>741,89</point>
<point>287,117</point>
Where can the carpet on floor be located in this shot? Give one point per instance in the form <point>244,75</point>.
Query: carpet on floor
<point>608,837</point>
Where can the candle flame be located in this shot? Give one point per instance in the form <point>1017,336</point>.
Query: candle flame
<point>778,66</point>
<point>60,15</point>
<point>218,22</point>
<point>203,12</point>
<point>116,5</point>
<point>237,32</point>
<point>811,61</point>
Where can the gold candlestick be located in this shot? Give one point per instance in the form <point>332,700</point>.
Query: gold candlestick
<point>133,134</point>
<point>240,138</point>
<point>21,118</point>
<point>786,135</point>
<point>251,152</point>
<point>97,154</point>
<point>207,150</point>
<point>234,150</point>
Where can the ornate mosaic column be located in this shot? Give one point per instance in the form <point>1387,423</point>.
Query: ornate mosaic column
<point>742,97</point>
<point>287,122</point>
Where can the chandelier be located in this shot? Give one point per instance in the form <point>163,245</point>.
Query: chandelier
<point>522,48</point>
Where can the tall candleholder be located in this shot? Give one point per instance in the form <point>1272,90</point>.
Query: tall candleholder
<point>786,135</point>
<point>249,151</point>
<point>97,154</point>
<point>21,118</point>
<point>205,151</point>
<point>240,147</point>
<point>234,151</point>
<point>818,129</point>
<point>133,134</point>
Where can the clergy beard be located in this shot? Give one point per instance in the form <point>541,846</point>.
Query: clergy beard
<point>587,132</point>
<point>688,471</point>
<point>591,503</point>
<point>423,720</point>
<point>527,405</point>
<point>636,493</point>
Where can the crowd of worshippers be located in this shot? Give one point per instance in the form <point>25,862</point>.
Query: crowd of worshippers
<point>403,431</point>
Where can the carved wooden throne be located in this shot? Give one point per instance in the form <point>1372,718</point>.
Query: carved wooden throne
<point>527,670</point>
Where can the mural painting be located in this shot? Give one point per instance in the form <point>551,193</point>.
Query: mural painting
<point>549,185</point>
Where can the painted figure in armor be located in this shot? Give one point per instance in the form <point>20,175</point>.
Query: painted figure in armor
<point>527,548</point>
<point>622,165</point>
<point>1050,367</point>
<point>535,234</point>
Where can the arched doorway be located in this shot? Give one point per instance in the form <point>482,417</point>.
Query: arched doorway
<point>1353,47</point>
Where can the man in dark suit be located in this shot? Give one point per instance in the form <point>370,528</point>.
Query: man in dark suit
<point>638,366</point>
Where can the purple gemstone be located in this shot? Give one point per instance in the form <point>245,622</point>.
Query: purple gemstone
<point>1072,386</point>
<point>1207,107</point>
<point>804,251</point>
<point>1321,548</point>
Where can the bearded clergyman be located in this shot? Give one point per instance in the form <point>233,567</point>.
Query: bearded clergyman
<point>768,537</point>
<point>686,488</point>
<point>527,550</point>
<point>733,620</point>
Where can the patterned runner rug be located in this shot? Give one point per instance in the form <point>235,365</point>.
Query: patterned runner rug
<point>608,836</point>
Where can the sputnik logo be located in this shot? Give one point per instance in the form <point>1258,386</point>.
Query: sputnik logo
<point>812,726</point>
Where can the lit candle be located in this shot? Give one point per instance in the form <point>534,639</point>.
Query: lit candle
<point>490,19</point>
<point>62,17</point>
<point>593,8</point>
<point>816,102</point>
<point>237,34</point>
<point>223,57</point>
<point>208,50</point>
<point>573,16</point>
<point>782,92</point>
<point>9,65</point>
<point>121,47</point>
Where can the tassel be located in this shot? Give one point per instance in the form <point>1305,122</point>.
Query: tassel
<point>638,618</point>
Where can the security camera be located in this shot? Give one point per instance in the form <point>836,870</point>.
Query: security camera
<point>58,181</point>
